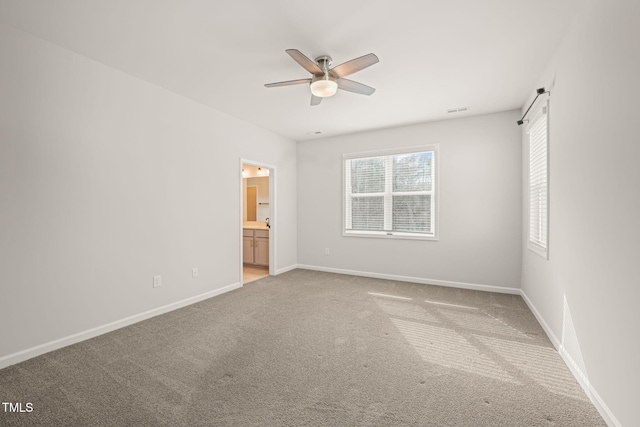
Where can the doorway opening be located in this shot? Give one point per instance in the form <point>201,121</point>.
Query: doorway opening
<point>257,214</point>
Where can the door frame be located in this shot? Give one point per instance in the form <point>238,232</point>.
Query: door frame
<point>273,217</point>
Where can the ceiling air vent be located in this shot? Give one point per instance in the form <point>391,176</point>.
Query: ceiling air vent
<point>457,110</point>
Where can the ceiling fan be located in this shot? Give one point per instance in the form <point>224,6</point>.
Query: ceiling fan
<point>325,81</point>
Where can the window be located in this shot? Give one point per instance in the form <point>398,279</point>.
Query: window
<point>538,182</point>
<point>391,194</point>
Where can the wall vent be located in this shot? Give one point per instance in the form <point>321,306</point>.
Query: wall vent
<point>457,110</point>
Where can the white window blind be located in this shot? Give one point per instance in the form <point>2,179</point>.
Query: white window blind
<point>391,195</point>
<point>538,183</point>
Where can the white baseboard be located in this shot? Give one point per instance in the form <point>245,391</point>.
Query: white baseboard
<point>285,269</point>
<point>554,340</point>
<point>580,376</point>
<point>29,353</point>
<point>462,285</point>
<point>604,410</point>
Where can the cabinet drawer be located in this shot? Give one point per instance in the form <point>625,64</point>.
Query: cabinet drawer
<point>247,233</point>
<point>261,233</point>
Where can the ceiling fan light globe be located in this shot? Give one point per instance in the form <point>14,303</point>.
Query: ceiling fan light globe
<point>324,88</point>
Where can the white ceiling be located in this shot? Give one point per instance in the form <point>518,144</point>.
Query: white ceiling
<point>434,55</point>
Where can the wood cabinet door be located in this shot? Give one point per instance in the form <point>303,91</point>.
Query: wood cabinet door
<point>261,252</point>
<point>247,250</point>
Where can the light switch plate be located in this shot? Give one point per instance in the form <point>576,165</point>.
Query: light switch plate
<point>194,272</point>
<point>157,281</point>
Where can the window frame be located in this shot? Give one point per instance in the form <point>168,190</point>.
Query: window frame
<point>537,246</point>
<point>384,234</point>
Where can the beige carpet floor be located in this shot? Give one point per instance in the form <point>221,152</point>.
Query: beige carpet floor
<point>311,349</point>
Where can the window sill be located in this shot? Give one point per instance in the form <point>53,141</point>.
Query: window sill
<point>539,250</point>
<point>389,235</point>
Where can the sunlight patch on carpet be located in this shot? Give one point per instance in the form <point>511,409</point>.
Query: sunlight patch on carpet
<point>447,348</point>
<point>405,310</point>
<point>389,296</point>
<point>483,322</point>
<point>466,307</point>
<point>541,364</point>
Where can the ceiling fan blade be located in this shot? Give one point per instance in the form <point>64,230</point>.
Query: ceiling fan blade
<point>315,100</point>
<point>288,83</point>
<point>350,67</point>
<point>305,62</point>
<point>355,87</point>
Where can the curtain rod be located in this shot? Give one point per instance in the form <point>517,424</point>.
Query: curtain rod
<point>539,92</point>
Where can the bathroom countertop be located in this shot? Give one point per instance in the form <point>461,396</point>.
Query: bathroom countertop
<point>255,225</point>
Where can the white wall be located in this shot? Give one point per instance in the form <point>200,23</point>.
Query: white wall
<point>595,205</point>
<point>480,215</point>
<point>105,181</point>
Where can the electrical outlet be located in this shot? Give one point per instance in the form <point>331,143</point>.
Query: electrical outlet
<point>194,272</point>
<point>326,251</point>
<point>157,281</point>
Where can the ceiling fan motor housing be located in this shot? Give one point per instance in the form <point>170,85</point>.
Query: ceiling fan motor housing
<point>324,62</point>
